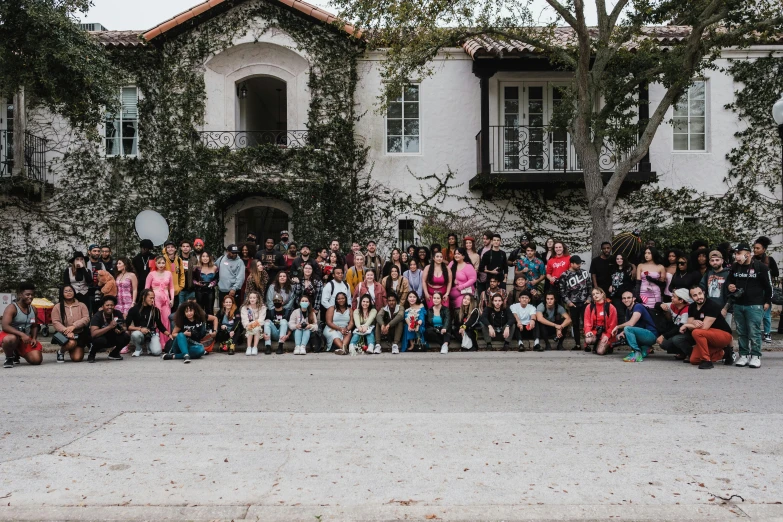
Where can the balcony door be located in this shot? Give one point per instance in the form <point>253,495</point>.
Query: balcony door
<point>6,136</point>
<point>528,143</point>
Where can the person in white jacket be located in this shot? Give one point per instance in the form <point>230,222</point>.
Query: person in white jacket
<point>253,315</point>
<point>303,322</point>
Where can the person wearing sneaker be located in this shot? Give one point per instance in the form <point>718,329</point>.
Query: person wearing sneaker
<point>19,337</point>
<point>495,319</point>
<point>522,323</point>
<point>713,284</point>
<point>750,291</point>
<point>230,330</point>
<point>334,287</point>
<point>364,326</point>
<point>711,333</point>
<point>70,319</point>
<point>415,317</point>
<point>575,285</point>
<point>760,247</point>
<point>675,314</point>
<point>339,323</point>
<point>145,325</point>
<point>638,329</point>
<point>469,319</point>
<point>190,328</point>
<point>437,331</point>
<point>552,320</point>
<point>108,331</point>
<point>276,325</point>
<point>600,320</point>
<point>253,315</point>
<point>303,322</point>
<point>390,322</point>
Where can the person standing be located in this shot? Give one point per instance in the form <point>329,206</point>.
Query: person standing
<point>77,276</point>
<point>481,277</point>
<point>601,267</point>
<point>415,282</point>
<point>141,262</point>
<point>557,264</point>
<point>350,258</point>
<point>463,277</point>
<point>127,285</point>
<point>189,262</point>
<point>750,289</point>
<point>303,259</point>
<point>106,259</point>
<point>231,273</point>
<point>494,261</point>
<point>760,254</point>
<point>334,287</point>
<point>162,284</point>
<point>356,272</point>
<point>273,261</point>
<point>94,265</point>
<point>282,247</point>
<point>373,261</point>
<point>575,286</point>
<point>205,281</point>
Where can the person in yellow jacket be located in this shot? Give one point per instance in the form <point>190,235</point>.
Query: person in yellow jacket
<point>355,274</point>
<point>173,265</point>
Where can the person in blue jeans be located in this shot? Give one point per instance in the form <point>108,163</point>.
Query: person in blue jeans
<point>276,325</point>
<point>189,331</point>
<point>638,329</point>
<point>750,289</point>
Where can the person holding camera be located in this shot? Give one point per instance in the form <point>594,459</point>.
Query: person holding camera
<point>750,291</point>
<point>76,276</point>
<point>107,328</point>
<point>71,319</point>
<point>145,325</point>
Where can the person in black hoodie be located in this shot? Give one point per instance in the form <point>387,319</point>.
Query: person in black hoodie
<point>684,277</point>
<point>494,261</point>
<point>141,262</point>
<point>750,289</point>
<point>760,254</point>
<point>496,322</point>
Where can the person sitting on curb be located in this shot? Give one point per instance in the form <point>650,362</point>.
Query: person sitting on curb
<point>19,337</point>
<point>552,320</point>
<point>711,333</point>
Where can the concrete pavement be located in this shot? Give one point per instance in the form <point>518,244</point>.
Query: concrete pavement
<point>493,435</point>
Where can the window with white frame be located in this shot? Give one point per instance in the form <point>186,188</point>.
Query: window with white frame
<point>121,134</point>
<point>690,119</point>
<point>402,123</point>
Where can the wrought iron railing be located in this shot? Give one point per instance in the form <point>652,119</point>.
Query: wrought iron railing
<point>34,155</point>
<point>242,139</point>
<point>538,149</point>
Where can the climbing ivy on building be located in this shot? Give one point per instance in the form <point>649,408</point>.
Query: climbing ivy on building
<point>326,182</point>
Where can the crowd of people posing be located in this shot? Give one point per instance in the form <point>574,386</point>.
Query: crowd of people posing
<point>183,303</point>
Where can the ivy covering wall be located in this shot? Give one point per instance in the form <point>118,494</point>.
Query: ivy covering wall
<point>191,185</point>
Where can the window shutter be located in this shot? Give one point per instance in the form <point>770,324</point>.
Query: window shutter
<point>130,100</point>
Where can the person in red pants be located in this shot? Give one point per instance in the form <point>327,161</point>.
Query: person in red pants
<point>709,329</point>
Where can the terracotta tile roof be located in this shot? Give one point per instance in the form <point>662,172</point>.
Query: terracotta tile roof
<point>118,38</point>
<point>488,46</point>
<point>202,8</point>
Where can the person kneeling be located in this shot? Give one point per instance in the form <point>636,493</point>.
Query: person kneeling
<point>600,321</point>
<point>108,331</point>
<point>145,325</point>
<point>711,333</point>
<point>189,332</point>
<point>20,330</point>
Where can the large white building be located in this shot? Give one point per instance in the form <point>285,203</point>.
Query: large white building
<point>458,119</point>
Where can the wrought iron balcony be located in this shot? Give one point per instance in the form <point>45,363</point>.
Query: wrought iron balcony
<point>34,155</point>
<point>514,149</point>
<point>242,139</point>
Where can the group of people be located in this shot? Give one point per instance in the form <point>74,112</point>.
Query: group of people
<point>418,299</point>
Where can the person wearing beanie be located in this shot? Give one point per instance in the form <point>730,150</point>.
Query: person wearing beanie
<point>676,315</point>
<point>141,262</point>
<point>750,289</point>
<point>760,254</point>
<point>198,247</point>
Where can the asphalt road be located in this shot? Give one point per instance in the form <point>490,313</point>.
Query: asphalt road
<point>493,435</point>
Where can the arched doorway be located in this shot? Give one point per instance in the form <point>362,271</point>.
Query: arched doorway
<point>263,110</point>
<point>265,217</point>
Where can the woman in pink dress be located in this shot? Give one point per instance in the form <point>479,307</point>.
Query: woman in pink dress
<point>652,278</point>
<point>127,286</point>
<point>463,275</point>
<point>163,285</point>
<point>436,278</point>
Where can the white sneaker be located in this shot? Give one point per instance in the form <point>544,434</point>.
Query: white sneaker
<point>303,350</point>
<point>255,351</point>
<point>755,361</point>
<point>742,361</point>
<point>377,348</point>
<point>249,350</point>
<point>444,348</point>
<point>395,348</point>
<point>352,350</point>
<point>137,353</point>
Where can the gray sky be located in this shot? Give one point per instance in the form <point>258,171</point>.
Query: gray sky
<point>117,15</point>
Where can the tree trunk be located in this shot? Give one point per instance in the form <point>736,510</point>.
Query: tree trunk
<point>20,126</point>
<point>602,219</point>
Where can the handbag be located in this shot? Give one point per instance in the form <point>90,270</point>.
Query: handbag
<point>466,291</point>
<point>467,343</point>
<point>777,295</point>
<point>59,339</point>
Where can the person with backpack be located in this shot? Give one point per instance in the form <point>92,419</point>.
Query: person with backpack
<point>334,287</point>
<point>600,320</point>
<point>750,290</point>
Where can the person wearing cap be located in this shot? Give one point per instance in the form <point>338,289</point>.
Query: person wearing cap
<point>750,289</point>
<point>676,314</point>
<point>276,325</point>
<point>760,254</point>
<point>638,329</point>
<point>711,333</point>
<point>575,285</point>
<point>76,275</point>
<point>601,267</point>
<point>518,254</point>
<point>282,246</point>
<point>142,262</point>
<point>108,331</point>
<point>231,273</point>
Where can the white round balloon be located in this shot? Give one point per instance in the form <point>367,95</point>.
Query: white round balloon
<point>151,225</point>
